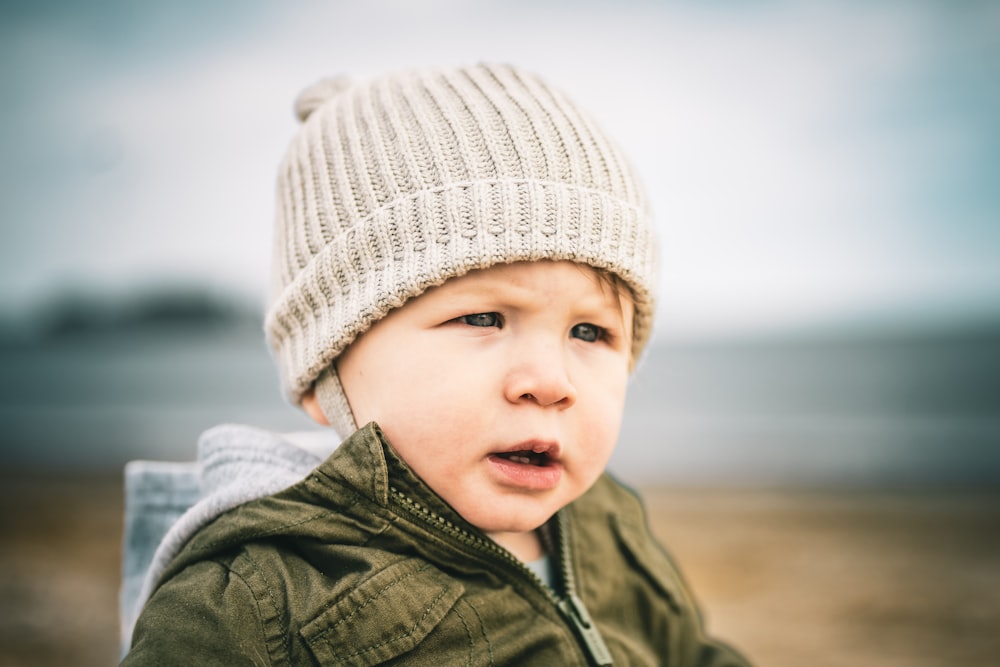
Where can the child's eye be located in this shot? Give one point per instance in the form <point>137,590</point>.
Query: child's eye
<point>587,332</point>
<point>481,320</point>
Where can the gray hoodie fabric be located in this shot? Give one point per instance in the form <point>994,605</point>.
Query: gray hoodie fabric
<point>166,503</point>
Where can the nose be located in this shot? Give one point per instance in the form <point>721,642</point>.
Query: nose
<point>540,375</point>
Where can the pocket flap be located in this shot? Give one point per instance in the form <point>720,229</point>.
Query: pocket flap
<point>385,616</point>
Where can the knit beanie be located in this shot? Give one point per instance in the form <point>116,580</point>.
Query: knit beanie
<point>396,184</point>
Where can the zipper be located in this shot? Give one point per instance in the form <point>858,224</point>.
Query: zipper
<point>572,606</point>
<point>569,605</point>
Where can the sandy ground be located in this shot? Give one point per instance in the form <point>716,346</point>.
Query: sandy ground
<point>831,579</point>
<point>792,578</point>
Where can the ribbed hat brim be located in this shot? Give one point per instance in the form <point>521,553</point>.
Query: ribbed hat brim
<point>395,255</point>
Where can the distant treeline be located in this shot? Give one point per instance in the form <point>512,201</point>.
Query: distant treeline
<point>82,312</point>
<point>70,314</point>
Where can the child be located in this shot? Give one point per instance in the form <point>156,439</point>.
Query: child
<point>465,269</point>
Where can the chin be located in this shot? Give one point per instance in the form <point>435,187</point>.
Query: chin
<point>522,525</point>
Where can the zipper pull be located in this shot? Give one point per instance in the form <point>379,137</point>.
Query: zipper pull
<point>573,608</point>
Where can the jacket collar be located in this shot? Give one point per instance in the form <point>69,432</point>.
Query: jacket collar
<point>367,463</point>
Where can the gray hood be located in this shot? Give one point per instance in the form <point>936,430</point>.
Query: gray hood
<point>166,503</point>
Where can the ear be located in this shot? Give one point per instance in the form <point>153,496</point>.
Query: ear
<point>311,405</point>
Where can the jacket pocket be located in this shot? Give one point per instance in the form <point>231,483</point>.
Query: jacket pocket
<point>384,617</point>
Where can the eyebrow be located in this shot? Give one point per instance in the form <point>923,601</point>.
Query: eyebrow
<point>497,291</point>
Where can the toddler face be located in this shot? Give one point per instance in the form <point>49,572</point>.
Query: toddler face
<point>503,389</point>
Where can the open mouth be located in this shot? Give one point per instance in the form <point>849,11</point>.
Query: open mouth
<point>527,457</point>
<point>531,466</point>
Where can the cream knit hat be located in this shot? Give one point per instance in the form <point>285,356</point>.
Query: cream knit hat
<point>399,183</point>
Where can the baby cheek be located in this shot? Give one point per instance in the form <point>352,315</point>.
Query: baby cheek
<point>603,421</point>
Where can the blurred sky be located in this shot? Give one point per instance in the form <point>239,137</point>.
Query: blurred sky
<point>810,163</point>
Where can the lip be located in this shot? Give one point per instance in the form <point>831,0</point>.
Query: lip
<point>548,447</point>
<point>527,476</point>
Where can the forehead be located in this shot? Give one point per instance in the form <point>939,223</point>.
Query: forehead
<point>540,277</point>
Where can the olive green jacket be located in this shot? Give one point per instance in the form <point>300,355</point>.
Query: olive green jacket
<point>362,564</point>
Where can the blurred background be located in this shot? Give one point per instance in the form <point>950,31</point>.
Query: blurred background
<point>817,422</point>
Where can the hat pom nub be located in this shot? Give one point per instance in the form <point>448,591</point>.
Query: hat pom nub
<point>318,94</point>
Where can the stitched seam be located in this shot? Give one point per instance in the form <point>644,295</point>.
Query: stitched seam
<point>258,599</point>
<point>409,633</point>
<point>214,544</point>
<point>320,514</point>
<point>374,597</point>
<point>468,633</point>
<point>388,524</point>
<point>482,629</point>
<point>269,589</point>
